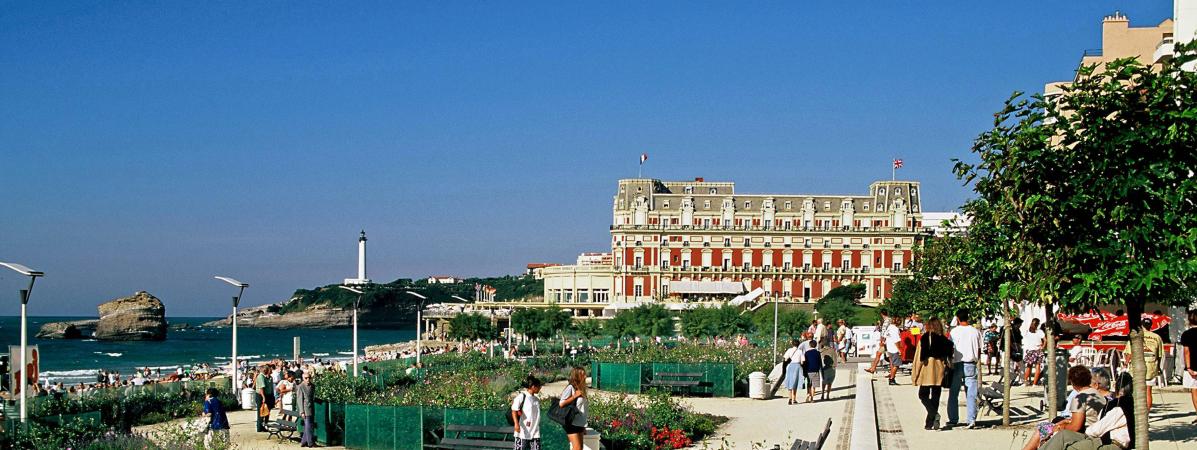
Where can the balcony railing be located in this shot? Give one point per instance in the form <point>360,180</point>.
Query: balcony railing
<point>1163,50</point>
<point>1093,52</point>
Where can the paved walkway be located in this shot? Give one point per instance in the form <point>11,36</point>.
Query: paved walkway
<point>243,433</point>
<point>900,420</point>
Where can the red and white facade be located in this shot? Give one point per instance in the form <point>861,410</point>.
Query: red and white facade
<point>796,247</point>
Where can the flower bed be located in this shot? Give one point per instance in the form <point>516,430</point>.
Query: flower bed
<point>650,422</point>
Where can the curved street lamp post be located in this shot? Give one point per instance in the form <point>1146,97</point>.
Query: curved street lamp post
<point>32,274</point>
<point>356,303</point>
<point>236,301</point>
<point>419,318</point>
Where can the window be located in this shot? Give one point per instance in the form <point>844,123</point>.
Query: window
<point>685,263</point>
<point>747,242</point>
<point>866,206</point>
<point>827,265</point>
<point>639,261</point>
<point>806,294</point>
<point>881,191</point>
<point>664,263</point>
<point>583,297</point>
<point>689,189</point>
<point>913,191</point>
<point>864,269</point>
<point>638,290</point>
<point>747,265</point>
<point>747,204</point>
<point>880,207</point>
<point>826,205</point>
<point>785,265</point>
<point>789,205</point>
<point>665,204</point>
<point>713,191</point>
<point>727,242</point>
<point>706,204</point>
<point>601,296</point>
<point>897,266</point>
<point>845,264</point>
<point>897,191</point>
<point>806,267</point>
<point>569,297</point>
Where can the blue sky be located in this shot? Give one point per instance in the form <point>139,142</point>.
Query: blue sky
<point>152,145</point>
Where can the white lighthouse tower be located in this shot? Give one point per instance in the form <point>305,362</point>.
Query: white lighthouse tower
<point>361,262</point>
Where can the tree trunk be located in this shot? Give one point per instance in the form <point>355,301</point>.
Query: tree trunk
<point>1134,322</point>
<point>1006,337</point>
<point>533,348</point>
<point>1049,333</point>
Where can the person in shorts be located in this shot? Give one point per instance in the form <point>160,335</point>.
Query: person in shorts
<point>892,336</point>
<point>1188,340</point>
<point>525,415</point>
<point>812,366</point>
<point>1032,347</point>
<point>1153,347</point>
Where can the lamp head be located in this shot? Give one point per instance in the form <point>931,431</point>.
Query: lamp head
<point>417,295</point>
<point>353,290</point>
<point>23,270</point>
<point>233,282</point>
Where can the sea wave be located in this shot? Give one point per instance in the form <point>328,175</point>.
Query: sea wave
<point>226,358</point>
<point>114,355</point>
<point>70,373</point>
<point>345,353</point>
<point>319,354</point>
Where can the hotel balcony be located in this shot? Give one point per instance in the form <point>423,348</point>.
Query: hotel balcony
<point>1163,50</point>
<point>722,228</point>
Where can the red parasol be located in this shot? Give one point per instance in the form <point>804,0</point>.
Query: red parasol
<point>1106,324</point>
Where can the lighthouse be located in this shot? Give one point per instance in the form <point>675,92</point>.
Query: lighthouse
<point>361,262</point>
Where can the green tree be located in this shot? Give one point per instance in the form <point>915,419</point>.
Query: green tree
<point>619,327</point>
<point>651,320</point>
<point>1096,189</point>
<point>698,323</point>
<point>709,322</point>
<point>840,303</point>
<point>530,322</point>
<point>791,322</point>
<point>471,326</point>
<point>589,329</point>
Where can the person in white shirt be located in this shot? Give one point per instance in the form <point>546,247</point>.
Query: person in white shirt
<point>525,415</point>
<point>966,340</point>
<point>892,336</point>
<point>820,332</point>
<point>843,340</point>
<point>1114,425</point>
<point>792,359</point>
<point>1032,350</point>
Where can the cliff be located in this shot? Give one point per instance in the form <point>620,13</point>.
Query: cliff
<point>140,317</point>
<point>320,316</point>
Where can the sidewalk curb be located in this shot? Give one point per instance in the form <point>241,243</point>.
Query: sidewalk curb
<point>864,419</point>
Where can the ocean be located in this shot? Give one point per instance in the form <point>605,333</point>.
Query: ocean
<point>76,360</point>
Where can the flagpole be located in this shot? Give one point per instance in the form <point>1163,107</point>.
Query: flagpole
<point>640,171</point>
<point>893,171</point>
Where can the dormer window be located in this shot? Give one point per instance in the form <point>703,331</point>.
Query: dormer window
<point>897,191</point>
<point>689,189</point>
<point>665,204</point>
<point>706,204</point>
<point>913,191</point>
<point>826,206</point>
<point>747,204</point>
<point>881,191</point>
<point>880,207</point>
<point>866,206</point>
<point>713,191</point>
<point>789,205</point>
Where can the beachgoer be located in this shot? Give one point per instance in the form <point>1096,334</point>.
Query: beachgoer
<point>304,404</point>
<point>286,391</point>
<point>792,370</point>
<point>525,415</point>
<point>812,366</point>
<point>1188,340</point>
<point>265,396</point>
<point>844,340</point>
<point>1153,347</point>
<point>1032,347</point>
<point>1110,432</point>
<point>218,423</point>
<point>1085,408</point>
<point>881,326</point>
<point>828,374</point>
<point>966,342</point>
<point>992,353</point>
<point>575,393</point>
<point>932,356</point>
<point>891,337</point>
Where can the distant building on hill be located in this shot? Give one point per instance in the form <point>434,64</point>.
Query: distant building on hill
<point>444,279</point>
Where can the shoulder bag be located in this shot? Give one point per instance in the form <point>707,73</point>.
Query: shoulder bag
<point>563,415</point>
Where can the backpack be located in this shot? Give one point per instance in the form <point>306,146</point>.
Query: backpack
<point>523,398</point>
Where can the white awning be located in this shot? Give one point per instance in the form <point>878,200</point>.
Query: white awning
<point>706,287</point>
<point>742,299</point>
<point>619,306</point>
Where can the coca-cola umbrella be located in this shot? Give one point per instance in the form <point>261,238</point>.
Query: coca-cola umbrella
<point>1103,324</point>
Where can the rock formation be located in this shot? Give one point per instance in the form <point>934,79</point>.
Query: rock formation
<point>141,317</point>
<point>77,329</point>
<point>320,316</point>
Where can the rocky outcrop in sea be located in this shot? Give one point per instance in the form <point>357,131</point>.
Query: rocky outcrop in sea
<point>319,316</point>
<point>139,317</point>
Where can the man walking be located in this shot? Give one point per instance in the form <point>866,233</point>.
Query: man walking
<point>303,402</point>
<point>1188,340</point>
<point>967,342</point>
<point>1153,347</point>
<point>265,391</point>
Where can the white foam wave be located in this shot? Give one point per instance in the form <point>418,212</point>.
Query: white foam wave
<point>240,357</point>
<point>70,373</point>
<point>319,354</point>
<point>345,353</point>
<point>114,355</point>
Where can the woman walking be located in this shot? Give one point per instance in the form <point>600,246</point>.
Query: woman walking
<point>525,415</point>
<point>575,393</point>
<point>792,360</point>
<point>1032,347</point>
<point>931,359</point>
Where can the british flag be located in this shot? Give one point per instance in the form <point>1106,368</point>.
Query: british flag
<point>897,164</point>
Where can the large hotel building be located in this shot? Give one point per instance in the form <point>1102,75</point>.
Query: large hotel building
<point>698,241</point>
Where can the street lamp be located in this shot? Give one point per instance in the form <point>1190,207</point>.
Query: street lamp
<point>236,301</point>
<point>419,318</point>
<point>356,303</point>
<point>32,274</point>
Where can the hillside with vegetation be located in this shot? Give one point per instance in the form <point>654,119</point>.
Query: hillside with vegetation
<point>388,295</point>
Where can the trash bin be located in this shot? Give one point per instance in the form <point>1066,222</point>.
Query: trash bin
<point>757,385</point>
<point>590,441</point>
<point>247,398</point>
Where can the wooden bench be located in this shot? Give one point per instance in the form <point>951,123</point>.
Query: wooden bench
<point>685,381</point>
<point>457,437</point>
<point>800,444</point>
<point>287,423</point>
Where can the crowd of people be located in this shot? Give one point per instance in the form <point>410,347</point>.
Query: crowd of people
<point>1096,415</point>
<point>810,362</point>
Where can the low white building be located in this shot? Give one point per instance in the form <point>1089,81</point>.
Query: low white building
<point>443,279</point>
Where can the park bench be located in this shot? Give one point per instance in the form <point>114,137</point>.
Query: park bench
<point>459,437</point>
<point>287,423</point>
<point>800,444</point>
<point>683,381</point>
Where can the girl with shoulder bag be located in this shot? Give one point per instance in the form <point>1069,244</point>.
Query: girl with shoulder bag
<point>575,394</point>
<point>932,358</point>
